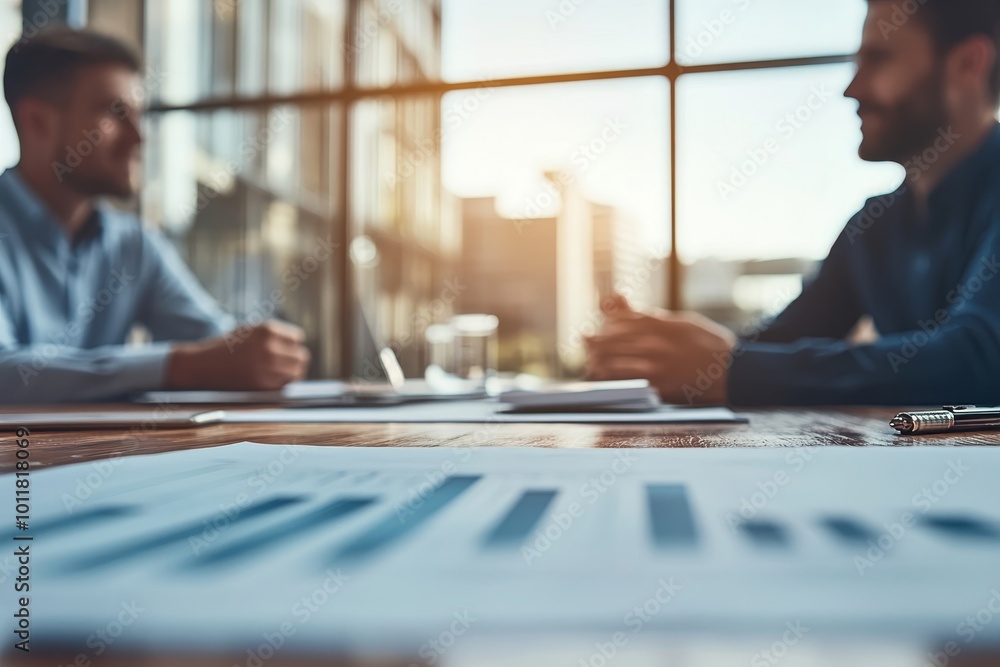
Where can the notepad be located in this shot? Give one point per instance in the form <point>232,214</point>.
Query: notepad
<point>627,395</point>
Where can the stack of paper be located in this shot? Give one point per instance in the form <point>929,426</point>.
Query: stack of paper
<point>628,395</point>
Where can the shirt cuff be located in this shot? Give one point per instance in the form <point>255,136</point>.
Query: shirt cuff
<point>144,367</point>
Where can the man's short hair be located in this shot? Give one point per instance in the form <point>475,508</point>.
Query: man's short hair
<point>951,22</point>
<point>46,64</point>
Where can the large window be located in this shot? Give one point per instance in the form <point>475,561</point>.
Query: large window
<point>394,162</point>
<point>10,28</point>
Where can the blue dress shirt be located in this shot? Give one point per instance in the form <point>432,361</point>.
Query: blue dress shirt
<point>929,281</point>
<point>67,306</point>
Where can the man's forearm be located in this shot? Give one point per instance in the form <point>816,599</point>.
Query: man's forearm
<point>48,374</point>
<point>957,364</point>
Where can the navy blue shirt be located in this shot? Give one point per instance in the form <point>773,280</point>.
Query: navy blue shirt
<point>67,306</point>
<point>928,280</point>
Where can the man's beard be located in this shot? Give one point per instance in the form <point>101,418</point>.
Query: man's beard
<point>96,185</point>
<point>909,126</point>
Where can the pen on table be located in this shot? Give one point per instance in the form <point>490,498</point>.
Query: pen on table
<point>948,418</point>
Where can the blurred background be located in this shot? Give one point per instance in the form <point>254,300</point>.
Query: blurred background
<point>401,161</point>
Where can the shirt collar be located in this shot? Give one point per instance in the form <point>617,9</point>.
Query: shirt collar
<point>957,186</point>
<point>34,219</point>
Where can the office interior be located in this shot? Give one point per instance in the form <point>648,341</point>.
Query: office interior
<point>369,170</point>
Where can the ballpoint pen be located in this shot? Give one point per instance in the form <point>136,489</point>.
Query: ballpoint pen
<point>948,418</point>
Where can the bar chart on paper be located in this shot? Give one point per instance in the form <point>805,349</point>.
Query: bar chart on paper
<point>220,545</point>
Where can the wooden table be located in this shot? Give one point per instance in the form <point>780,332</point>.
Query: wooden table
<point>779,427</point>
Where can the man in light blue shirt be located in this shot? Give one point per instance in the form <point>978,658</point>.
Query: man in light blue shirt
<point>76,276</point>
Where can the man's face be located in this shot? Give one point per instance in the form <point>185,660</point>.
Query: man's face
<point>98,135</point>
<point>899,86</point>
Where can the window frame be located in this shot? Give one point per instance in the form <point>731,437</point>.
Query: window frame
<point>350,93</point>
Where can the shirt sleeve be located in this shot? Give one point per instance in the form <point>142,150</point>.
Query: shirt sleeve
<point>50,373</point>
<point>951,358</point>
<point>828,307</point>
<point>175,306</point>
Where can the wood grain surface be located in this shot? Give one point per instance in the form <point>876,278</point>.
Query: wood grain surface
<point>767,428</point>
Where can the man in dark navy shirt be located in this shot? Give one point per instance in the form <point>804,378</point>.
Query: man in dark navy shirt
<point>922,262</point>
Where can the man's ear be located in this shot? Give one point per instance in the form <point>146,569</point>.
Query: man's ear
<point>36,120</point>
<point>970,64</point>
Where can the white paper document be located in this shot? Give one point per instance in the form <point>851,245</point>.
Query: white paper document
<point>374,549</point>
<point>73,421</point>
<point>475,412</point>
